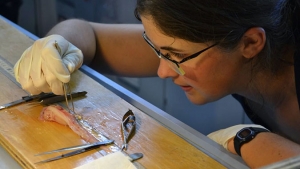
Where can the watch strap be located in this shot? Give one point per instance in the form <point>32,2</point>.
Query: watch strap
<point>238,142</point>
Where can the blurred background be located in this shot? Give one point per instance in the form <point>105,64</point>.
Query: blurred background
<point>38,16</point>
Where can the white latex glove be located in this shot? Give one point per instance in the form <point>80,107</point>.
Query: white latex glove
<point>44,68</point>
<point>224,135</point>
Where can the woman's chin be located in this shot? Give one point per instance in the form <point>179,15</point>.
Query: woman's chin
<point>198,100</point>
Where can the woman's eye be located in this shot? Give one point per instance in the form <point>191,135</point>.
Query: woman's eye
<point>177,55</point>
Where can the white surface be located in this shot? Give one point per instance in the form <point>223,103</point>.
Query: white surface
<point>117,160</point>
<point>6,161</point>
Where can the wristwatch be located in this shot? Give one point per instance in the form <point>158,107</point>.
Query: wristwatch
<point>244,136</point>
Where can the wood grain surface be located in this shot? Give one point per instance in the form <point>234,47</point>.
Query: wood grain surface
<point>23,135</point>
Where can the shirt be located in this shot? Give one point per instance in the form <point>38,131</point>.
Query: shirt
<point>253,116</point>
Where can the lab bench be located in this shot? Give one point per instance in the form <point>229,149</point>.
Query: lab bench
<point>165,141</point>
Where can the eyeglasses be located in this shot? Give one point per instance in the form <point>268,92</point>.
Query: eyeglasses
<point>173,63</point>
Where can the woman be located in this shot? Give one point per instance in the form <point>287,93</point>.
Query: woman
<point>210,48</point>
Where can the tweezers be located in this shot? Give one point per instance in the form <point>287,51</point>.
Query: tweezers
<point>127,128</point>
<point>78,150</point>
<point>67,91</point>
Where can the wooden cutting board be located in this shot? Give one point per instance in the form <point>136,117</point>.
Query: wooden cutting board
<point>23,135</point>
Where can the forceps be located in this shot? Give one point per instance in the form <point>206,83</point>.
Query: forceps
<point>67,90</point>
<point>127,127</point>
<point>78,150</point>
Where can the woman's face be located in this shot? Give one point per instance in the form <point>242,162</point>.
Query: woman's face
<point>208,77</point>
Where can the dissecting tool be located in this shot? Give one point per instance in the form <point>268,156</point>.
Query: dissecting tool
<point>71,110</point>
<point>67,91</point>
<point>78,150</point>
<point>60,98</point>
<point>43,98</point>
<point>127,127</point>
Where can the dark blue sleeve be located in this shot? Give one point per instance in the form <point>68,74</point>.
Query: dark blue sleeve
<point>252,116</point>
<point>297,74</point>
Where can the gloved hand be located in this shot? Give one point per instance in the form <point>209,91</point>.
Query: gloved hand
<point>224,135</point>
<point>44,66</point>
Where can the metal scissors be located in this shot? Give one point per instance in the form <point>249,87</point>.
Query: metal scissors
<point>127,127</point>
<point>78,150</point>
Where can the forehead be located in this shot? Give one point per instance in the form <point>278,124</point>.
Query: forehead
<point>160,39</point>
<point>153,32</point>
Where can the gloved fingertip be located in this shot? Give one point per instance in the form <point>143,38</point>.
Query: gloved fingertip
<point>58,92</point>
<point>71,67</point>
<point>32,91</point>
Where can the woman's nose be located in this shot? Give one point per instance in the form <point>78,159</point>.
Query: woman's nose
<point>164,70</point>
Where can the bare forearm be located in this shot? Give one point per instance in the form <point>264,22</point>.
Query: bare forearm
<point>266,148</point>
<point>79,33</point>
<point>110,48</point>
<point>122,50</point>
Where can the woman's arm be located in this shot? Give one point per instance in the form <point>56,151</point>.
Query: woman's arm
<point>266,148</point>
<point>110,48</point>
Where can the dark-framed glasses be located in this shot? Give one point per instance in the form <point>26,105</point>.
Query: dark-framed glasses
<point>173,63</point>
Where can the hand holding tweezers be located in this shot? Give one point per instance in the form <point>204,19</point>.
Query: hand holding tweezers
<point>78,150</point>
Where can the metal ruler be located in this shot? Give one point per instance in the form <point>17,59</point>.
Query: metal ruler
<point>6,69</point>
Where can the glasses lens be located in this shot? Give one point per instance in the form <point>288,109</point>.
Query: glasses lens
<point>174,66</point>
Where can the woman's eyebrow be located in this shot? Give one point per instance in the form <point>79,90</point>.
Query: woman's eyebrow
<point>171,49</point>
<point>165,47</point>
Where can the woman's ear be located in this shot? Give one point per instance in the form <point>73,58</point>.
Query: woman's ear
<point>253,41</point>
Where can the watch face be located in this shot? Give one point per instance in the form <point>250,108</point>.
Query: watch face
<point>243,134</point>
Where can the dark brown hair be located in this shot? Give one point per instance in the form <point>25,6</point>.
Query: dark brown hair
<point>212,20</point>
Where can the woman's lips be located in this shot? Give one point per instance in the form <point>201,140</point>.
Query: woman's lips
<point>186,88</point>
